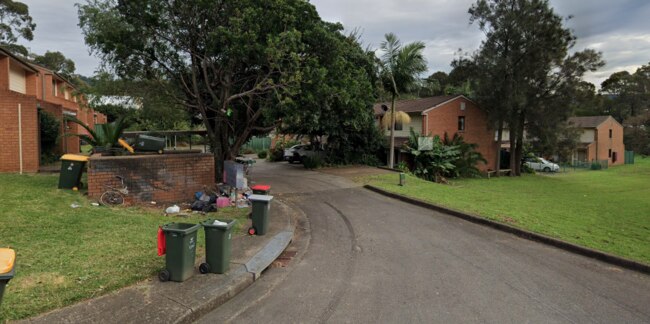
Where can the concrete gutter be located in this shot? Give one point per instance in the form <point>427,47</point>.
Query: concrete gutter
<point>570,247</point>
<point>185,302</point>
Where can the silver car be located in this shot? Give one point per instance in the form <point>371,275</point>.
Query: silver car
<point>541,164</point>
<point>291,154</point>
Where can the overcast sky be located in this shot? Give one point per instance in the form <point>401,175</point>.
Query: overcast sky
<point>620,28</point>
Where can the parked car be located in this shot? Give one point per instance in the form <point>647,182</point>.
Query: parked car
<point>290,153</point>
<point>541,164</point>
<point>297,153</point>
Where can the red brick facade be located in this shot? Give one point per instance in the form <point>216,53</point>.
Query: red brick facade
<point>37,93</point>
<point>446,118</point>
<point>166,178</point>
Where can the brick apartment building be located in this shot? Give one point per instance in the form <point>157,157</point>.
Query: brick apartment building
<point>601,139</point>
<point>26,88</point>
<point>451,114</point>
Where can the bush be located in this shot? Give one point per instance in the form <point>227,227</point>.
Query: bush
<point>49,132</point>
<point>262,154</point>
<point>312,162</point>
<point>596,166</point>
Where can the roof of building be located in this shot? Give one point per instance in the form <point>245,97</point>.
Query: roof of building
<point>414,105</point>
<point>18,59</point>
<point>588,121</point>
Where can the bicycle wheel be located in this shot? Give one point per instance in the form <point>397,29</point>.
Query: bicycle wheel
<point>111,198</point>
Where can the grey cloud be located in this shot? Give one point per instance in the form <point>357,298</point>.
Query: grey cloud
<point>617,28</point>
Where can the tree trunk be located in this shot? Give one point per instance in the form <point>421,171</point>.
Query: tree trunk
<point>499,142</point>
<point>513,145</point>
<point>519,150</point>
<point>391,154</point>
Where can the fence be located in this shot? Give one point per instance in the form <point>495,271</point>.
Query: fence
<point>176,140</point>
<point>258,144</point>
<point>629,157</point>
<point>593,165</point>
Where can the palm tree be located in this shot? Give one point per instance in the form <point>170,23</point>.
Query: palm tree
<point>400,67</point>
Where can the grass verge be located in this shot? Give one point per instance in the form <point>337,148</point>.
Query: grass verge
<point>606,210</point>
<point>65,255</point>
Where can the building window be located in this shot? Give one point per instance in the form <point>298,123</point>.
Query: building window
<point>54,88</point>
<point>610,133</point>
<point>398,125</point>
<point>462,106</point>
<point>461,123</point>
<point>610,153</point>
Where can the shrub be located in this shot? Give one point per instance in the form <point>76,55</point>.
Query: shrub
<point>49,132</point>
<point>262,154</point>
<point>312,162</point>
<point>596,166</point>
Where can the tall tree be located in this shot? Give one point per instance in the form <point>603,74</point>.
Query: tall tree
<point>15,23</point>
<point>231,62</point>
<point>628,94</point>
<point>524,68</point>
<point>56,62</point>
<point>400,67</point>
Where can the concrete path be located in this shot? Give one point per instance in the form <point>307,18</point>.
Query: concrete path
<point>367,258</point>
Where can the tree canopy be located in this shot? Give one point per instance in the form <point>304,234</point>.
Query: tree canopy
<point>525,73</point>
<point>241,66</point>
<point>56,62</point>
<point>15,23</point>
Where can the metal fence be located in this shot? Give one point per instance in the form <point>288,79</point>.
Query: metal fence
<point>593,165</point>
<point>258,144</point>
<point>177,140</point>
<point>629,157</point>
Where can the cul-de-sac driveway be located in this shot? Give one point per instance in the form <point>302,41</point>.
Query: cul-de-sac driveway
<point>371,259</point>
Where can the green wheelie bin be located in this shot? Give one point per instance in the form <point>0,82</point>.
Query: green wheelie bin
<point>218,237</point>
<point>180,242</point>
<point>261,209</point>
<point>72,167</point>
<point>7,259</point>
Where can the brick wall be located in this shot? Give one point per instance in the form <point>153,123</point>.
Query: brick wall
<point>615,143</point>
<point>445,119</point>
<point>9,135</point>
<point>166,178</point>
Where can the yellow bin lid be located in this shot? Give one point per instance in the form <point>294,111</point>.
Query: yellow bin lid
<point>7,258</point>
<point>74,157</point>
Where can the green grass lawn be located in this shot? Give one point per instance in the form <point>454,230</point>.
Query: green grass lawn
<point>65,255</point>
<point>607,210</point>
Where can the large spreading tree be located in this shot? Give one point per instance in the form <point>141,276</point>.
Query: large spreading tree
<point>15,23</point>
<point>242,66</point>
<point>525,71</point>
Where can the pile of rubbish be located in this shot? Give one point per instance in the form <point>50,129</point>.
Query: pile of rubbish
<point>209,201</point>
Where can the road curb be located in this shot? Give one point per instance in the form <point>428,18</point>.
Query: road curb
<point>570,247</point>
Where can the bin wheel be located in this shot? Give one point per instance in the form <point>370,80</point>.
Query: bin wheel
<point>252,231</point>
<point>204,268</point>
<point>164,275</point>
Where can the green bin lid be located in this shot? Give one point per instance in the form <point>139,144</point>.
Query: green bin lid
<point>181,228</point>
<point>210,223</point>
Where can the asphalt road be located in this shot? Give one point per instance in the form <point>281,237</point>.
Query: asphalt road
<point>364,258</point>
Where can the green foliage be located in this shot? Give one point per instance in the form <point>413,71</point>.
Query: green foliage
<point>313,162</point>
<point>50,128</point>
<point>104,135</point>
<point>526,83</point>
<point>56,62</point>
<point>468,157</point>
<point>595,166</point>
<point>15,22</point>
<point>432,164</point>
<point>262,154</point>
<point>403,166</point>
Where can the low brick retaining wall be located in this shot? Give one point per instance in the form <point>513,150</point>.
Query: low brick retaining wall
<point>164,178</point>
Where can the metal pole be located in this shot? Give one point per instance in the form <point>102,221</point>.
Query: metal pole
<point>20,137</point>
